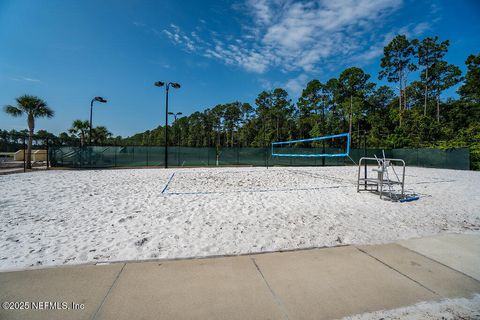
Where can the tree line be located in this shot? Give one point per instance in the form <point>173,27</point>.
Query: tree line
<point>77,135</point>
<point>411,112</point>
<point>412,115</point>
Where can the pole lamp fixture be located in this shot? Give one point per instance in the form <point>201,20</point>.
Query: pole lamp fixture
<point>98,99</point>
<point>167,86</point>
<point>175,115</point>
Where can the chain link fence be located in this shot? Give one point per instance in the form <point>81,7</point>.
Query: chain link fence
<point>153,156</point>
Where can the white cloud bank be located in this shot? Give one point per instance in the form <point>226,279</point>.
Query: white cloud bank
<point>22,78</point>
<point>299,37</point>
<point>292,35</point>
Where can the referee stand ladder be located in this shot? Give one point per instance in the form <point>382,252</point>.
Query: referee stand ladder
<point>385,179</point>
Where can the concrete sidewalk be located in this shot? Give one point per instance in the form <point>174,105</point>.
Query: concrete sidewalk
<point>307,284</point>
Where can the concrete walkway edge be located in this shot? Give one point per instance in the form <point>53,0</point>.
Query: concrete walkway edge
<point>327,283</point>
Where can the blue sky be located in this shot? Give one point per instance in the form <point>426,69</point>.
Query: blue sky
<point>219,51</point>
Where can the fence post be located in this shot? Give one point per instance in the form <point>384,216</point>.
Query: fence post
<point>445,158</point>
<point>323,151</point>
<point>365,154</point>
<point>177,149</point>
<point>46,147</point>
<point>265,156</point>
<point>24,160</point>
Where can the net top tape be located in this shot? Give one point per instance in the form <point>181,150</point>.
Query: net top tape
<point>314,139</point>
<point>346,154</point>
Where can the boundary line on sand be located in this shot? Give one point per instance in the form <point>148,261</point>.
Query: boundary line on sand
<point>169,180</point>
<point>256,191</point>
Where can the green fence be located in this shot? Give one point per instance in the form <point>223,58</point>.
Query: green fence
<point>434,158</point>
<point>143,156</point>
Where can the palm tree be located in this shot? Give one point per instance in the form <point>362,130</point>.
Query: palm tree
<point>100,135</point>
<point>65,139</point>
<point>33,107</point>
<point>80,128</point>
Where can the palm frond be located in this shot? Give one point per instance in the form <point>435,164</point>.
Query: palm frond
<point>14,111</point>
<point>43,111</point>
<point>80,124</point>
<point>34,106</point>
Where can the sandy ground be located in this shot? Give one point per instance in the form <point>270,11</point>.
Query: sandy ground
<point>449,309</point>
<point>71,217</point>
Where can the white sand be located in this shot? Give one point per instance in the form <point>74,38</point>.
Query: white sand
<point>71,217</point>
<point>448,309</point>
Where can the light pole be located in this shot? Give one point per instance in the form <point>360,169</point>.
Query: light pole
<point>99,99</point>
<point>167,86</point>
<point>323,130</point>
<point>175,115</point>
<point>177,142</point>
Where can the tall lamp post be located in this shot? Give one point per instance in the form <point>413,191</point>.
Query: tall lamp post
<point>167,86</point>
<point>323,130</point>
<point>175,115</point>
<point>98,99</point>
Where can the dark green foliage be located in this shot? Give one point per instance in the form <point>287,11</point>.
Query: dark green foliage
<point>470,91</point>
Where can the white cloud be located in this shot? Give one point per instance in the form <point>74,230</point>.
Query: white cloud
<point>421,28</point>
<point>177,36</point>
<point>302,34</point>
<point>261,10</point>
<point>265,84</point>
<point>305,38</point>
<point>299,36</point>
<point>373,52</point>
<point>139,24</point>
<point>376,49</point>
<point>295,86</point>
<point>30,79</point>
<point>292,35</point>
<point>27,79</point>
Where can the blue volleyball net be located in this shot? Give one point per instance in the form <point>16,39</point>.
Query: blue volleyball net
<point>337,145</point>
